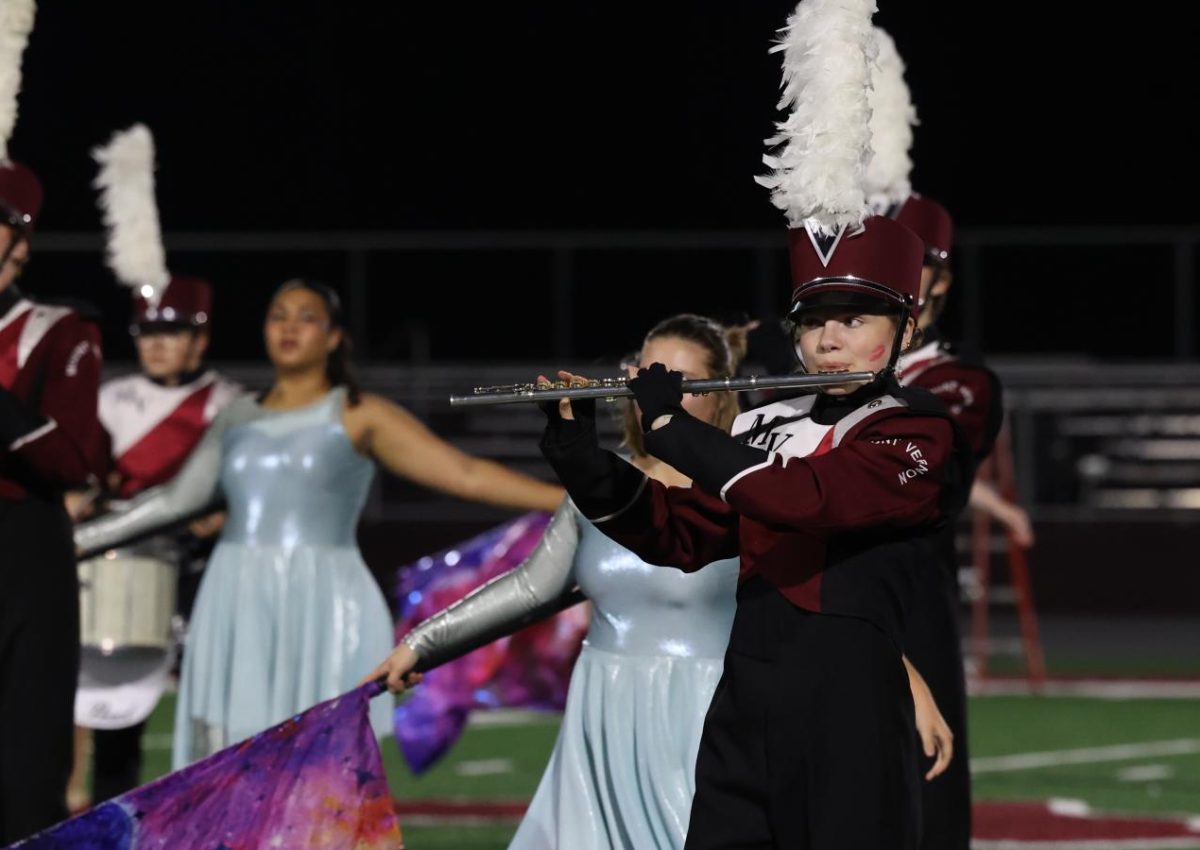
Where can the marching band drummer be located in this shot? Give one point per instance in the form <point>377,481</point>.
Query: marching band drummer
<point>154,419</point>
<point>50,441</point>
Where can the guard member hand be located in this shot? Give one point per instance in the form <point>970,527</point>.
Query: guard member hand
<point>396,671</point>
<point>658,392</point>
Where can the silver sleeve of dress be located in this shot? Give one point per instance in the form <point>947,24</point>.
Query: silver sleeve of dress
<point>194,489</point>
<point>500,606</point>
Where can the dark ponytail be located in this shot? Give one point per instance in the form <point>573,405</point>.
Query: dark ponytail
<point>339,368</point>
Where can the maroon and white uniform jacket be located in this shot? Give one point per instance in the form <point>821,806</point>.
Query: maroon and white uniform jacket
<point>971,392</point>
<point>153,428</point>
<point>50,438</point>
<point>833,502</point>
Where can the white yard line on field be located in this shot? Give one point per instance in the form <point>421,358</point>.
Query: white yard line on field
<point>1086,755</point>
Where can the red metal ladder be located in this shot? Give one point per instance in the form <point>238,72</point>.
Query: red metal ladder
<point>998,471</point>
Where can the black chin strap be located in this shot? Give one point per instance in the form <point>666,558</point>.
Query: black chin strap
<point>926,306</point>
<point>9,297</point>
<point>18,236</point>
<point>905,311</point>
<point>180,380</point>
<point>902,314</point>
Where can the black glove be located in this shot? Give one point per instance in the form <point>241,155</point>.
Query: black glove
<point>658,392</point>
<point>584,410</point>
<point>600,483</point>
<point>16,419</point>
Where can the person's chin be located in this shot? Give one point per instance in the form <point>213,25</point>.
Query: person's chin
<point>288,359</point>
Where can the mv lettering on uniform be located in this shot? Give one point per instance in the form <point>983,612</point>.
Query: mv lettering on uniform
<point>770,440</point>
<point>921,464</point>
<point>77,354</point>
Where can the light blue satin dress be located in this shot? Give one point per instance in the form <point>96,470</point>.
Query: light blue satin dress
<point>287,614</point>
<point>622,774</point>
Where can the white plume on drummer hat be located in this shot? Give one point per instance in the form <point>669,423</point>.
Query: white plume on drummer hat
<point>820,152</point>
<point>893,117</point>
<point>126,183</point>
<point>16,22</point>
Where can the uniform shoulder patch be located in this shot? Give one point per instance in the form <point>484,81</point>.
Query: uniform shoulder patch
<point>862,414</point>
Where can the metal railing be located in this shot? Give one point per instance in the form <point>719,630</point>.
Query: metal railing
<point>765,251</point>
<point>1077,429</point>
<point>1040,395</point>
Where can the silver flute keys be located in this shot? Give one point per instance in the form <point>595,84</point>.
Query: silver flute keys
<point>612,388</point>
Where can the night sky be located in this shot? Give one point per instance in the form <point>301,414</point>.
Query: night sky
<point>583,115</point>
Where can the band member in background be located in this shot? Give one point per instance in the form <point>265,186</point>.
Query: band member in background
<point>970,390</point>
<point>50,441</point>
<point>972,395</point>
<point>153,420</point>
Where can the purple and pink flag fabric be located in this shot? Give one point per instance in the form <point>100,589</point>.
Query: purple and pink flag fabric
<point>314,781</point>
<point>531,669</point>
<point>317,780</point>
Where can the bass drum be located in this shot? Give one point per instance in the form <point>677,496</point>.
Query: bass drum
<point>127,633</point>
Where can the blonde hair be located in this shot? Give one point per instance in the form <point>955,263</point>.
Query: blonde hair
<point>724,348</point>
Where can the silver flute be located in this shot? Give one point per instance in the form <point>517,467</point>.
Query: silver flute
<point>612,388</point>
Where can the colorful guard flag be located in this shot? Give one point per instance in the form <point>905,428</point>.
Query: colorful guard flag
<point>314,781</point>
<point>531,669</point>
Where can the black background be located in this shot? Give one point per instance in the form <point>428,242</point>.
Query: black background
<point>598,116</point>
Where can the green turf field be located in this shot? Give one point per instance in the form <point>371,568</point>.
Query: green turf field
<point>1070,739</point>
<point>1162,775</point>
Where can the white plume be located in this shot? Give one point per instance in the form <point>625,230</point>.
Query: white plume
<point>824,143</point>
<point>892,118</point>
<point>16,22</point>
<point>126,184</point>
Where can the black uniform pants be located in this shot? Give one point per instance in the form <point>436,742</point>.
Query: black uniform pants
<point>934,646</point>
<point>809,743</point>
<point>117,763</point>
<point>39,664</point>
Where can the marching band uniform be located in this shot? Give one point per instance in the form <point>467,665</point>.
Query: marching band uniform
<point>831,503</point>
<point>152,427</point>
<point>972,394</point>
<point>50,441</point>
